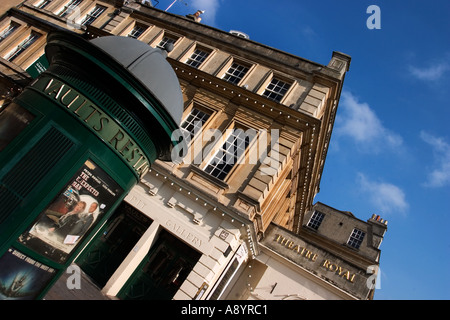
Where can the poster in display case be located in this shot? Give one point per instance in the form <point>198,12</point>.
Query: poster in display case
<point>22,277</point>
<point>73,213</point>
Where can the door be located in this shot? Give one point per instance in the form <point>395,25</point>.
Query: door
<point>162,271</point>
<point>121,233</point>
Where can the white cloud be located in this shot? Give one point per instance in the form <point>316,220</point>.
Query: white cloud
<point>440,175</point>
<point>360,123</point>
<point>211,8</point>
<point>386,197</point>
<point>431,73</point>
<point>308,32</point>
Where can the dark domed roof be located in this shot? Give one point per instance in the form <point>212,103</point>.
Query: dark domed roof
<point>150,66</point>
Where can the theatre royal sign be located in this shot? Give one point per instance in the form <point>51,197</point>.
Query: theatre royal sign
<point>318,261</point>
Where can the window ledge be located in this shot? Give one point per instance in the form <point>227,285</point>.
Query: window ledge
<point>305,226</point>
<point>352,247</point>
<point>217,182</point>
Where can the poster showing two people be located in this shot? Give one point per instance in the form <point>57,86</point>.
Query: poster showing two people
<point>75,210</point>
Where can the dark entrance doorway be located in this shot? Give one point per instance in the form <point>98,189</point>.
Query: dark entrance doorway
<point>120,234</point>
<point>162,271</point>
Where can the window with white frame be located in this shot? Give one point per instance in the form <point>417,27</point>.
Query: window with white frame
<point>93,15</point>
<point>235,73</point>
<point>8,30</point>
<point>228,155</point>
<point>69,7</point>
<point>165,41</point>
<point>315,220</point>
<point>193,123</point>
<point>197,57</point>
<point>42,4</point>
<point>137,31</point>
<point>276,89</point>
<point>21,47</point>
<point>356,238</point>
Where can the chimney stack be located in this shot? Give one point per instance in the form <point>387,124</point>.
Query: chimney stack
<point>379,227</point>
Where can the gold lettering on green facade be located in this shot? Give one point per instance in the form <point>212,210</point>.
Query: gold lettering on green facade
<point>71,96</point>
<point>308,254</point>
<point>93,117</point>
<point>102,122</point>
<point>126,146</point>
<point>117,137</point>
<point>54,88</point>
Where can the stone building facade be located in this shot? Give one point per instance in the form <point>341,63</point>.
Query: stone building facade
<point>197,227</point>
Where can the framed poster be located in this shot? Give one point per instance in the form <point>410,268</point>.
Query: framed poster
<point>21,277</point>
<point>73,213</point>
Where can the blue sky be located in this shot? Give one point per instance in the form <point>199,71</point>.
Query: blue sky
<point>390,148</point>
